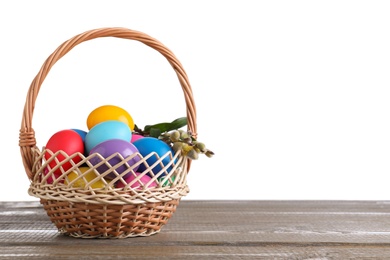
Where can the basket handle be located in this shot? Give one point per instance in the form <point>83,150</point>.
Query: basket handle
<point>27,135</point>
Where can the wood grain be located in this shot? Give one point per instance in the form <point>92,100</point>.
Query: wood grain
<point>216,230</point>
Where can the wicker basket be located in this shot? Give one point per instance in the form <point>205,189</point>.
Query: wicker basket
<point>108,212</point>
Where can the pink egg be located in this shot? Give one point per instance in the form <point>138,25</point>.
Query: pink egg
<point>50,179</point>
<point>137,184</point>
<point>135,137</point>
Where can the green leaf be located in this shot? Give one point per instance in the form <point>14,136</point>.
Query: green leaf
<point>166,127</point>
<point>162,126</point>
<point>178,123</point>
<point>155,132</point>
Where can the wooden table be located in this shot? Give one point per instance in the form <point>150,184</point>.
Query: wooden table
<point>216,230</point>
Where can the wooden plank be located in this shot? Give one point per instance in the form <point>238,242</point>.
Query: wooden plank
<point>216,230</point>
<point>265,251</point>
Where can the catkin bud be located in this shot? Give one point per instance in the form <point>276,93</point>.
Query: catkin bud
<point>167,134</point>
<point>192,154</point>
<point>184,135</point>
<point>175,136</point>
<point>177,146</point>
<point>201,147</point>
<point>187,148</point>
<point>209,153</point>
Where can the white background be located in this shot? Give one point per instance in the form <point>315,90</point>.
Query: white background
<point>292,96</point>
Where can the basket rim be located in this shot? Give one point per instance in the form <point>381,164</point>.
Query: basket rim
<point>62,189</point>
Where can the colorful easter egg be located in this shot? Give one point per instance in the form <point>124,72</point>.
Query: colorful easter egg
<point>52,176</point>
<point>149,145</point>
<point>167,181</point>
<point>120,148</point>
<point>82,133</point>
<point>135,137</point>
<point>105,131</point>
<point>68,141</point>
<point>142,182</point>
<point>107,113</point>
<point>87,176</point>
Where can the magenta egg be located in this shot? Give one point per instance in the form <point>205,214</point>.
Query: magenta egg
<point>135,137</point>
<point>50,179</point>
<point>139,184</point>
<point>111,147</point>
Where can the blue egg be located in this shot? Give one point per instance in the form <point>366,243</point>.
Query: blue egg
<point>107,130</point>
<point>82,133</point>
<point>149,145</point>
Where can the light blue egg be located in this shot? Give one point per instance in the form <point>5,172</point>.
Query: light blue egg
<point>107,130</point>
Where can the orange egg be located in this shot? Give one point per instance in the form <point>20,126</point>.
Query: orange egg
<point>109,112</point>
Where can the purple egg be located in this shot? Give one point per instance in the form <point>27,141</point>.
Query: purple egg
<point>110,147</point>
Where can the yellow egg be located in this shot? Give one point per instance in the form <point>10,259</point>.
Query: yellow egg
<point>109,112</point>
<point>81,182</point>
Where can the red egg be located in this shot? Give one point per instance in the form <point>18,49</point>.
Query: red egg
<point>68,141</point>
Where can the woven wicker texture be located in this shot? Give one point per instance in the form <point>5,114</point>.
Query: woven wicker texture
<point>112,221</point>
<point>91,205</point>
